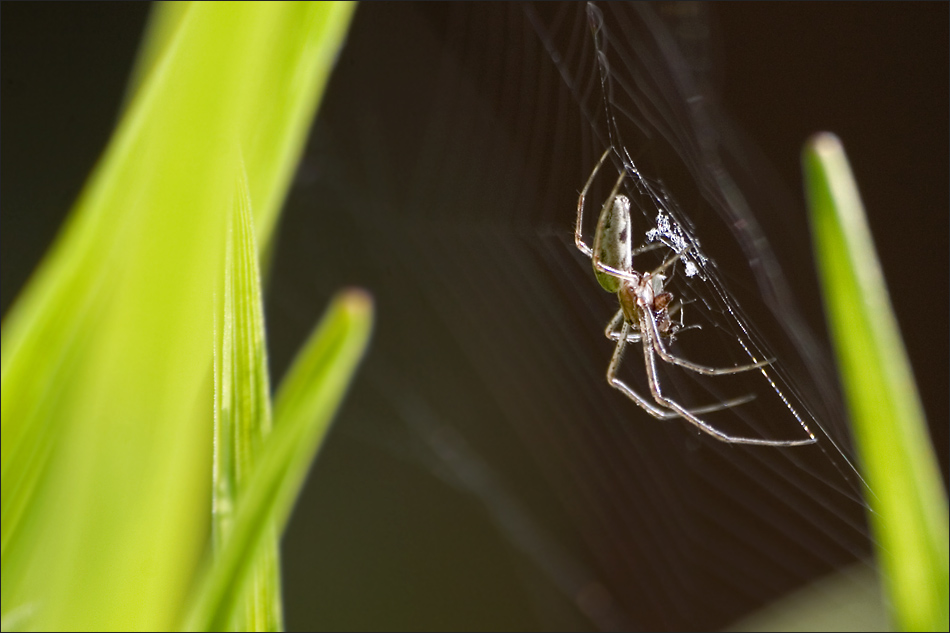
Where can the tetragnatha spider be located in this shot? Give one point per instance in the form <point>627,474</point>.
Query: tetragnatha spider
<point>644,314</point>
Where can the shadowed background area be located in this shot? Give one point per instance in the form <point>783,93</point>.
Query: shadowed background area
<point>482,474</point>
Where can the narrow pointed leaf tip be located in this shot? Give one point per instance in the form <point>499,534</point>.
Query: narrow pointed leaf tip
<point>308,398</point>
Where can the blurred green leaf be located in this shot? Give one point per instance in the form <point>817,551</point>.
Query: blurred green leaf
<point>308,399</point>
<point>296,50</point>
<point>907,500</point>
<point>106,357</point>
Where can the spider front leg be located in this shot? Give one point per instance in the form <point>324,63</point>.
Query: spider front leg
<point>578,227</point>
<point>648,331</point>
<point>656,334</point>
<point>696,367</point>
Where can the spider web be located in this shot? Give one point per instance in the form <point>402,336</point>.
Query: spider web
<point>450,193</point>
<point>726,336</point>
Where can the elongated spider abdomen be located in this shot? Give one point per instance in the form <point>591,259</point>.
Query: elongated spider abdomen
<point>612,241</point>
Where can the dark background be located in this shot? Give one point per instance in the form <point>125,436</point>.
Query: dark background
<point>383,536</point>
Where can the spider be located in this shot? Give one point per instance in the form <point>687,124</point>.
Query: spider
<point>645,315</point>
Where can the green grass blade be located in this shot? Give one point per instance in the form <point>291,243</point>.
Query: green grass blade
<point>242,412</point>
<point>287,77</point>
<point>308,398</point>
<point>106,357</point>
<point>908,502</point>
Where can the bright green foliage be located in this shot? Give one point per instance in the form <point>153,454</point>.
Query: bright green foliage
<point>107,398</point>
<point>307,400</point>
<point>242,413</point>
<point>257,475</point>
<point>907,500</point>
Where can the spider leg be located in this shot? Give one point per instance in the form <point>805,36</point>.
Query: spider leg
<point>680,308</point>
<point>696,367</point>
<point>646,404</point>
<point>648,330</point>
<point>682,362</point>
<point>614,328</point>
<point>578,228</point>
<point>647,248</point>
<point>681,325</point>
<point>610,270</point>
<point>672,259</point>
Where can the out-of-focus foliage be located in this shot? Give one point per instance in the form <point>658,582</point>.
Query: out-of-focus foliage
<point>107,398</point>
<point>907,501</point>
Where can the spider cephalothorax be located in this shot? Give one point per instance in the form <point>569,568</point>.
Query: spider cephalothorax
<point>645,292</point>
